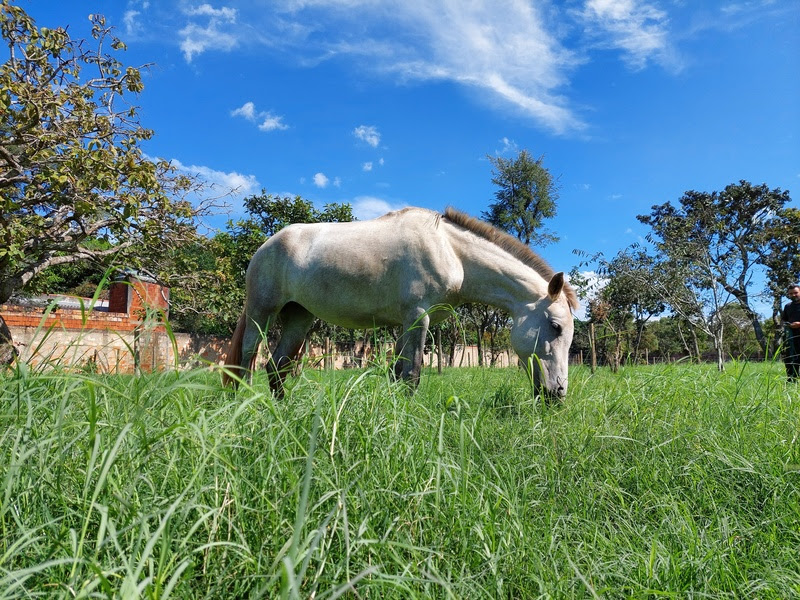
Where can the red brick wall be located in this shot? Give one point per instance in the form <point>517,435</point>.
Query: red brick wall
<point>102,336</point>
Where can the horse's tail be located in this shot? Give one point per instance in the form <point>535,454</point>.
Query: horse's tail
<point>233,360</point>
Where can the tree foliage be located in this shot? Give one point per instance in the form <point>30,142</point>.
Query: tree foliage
<point>624,298</point>
<point>718,240</point>
<point>526,196</point>
<point>72,171</point>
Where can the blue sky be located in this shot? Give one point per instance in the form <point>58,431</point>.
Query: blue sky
<point>390,103</point>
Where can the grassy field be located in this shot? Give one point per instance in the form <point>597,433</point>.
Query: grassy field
<point>667,481</point>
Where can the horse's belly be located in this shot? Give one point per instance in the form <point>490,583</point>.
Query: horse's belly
<point>361,301</point>
<point>353,311</point>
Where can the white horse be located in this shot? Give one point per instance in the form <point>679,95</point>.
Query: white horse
<point>397,270</point>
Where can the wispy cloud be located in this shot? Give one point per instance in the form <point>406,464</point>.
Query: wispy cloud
<point>266,120</point>
<point>208,29</point>
<point>368,134</point>
<point>508,147</point>
<point>222,183</point>
<point>639,29</point>
<point>507,52</point>
<point>515,55</point>
<point>131,22</point>
<point>369,165</point>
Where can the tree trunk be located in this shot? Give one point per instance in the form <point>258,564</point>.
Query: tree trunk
<point>720,355</point>
<point>696,344</point>
<point>720,347</point>
<point>439,349</point>
<point>683,341</point>
<point>778,323</point>
<point>327,350</point>
<point>593,346</point>
<point>757,328</point>
<point>480,346</point>
<point>7,351</point>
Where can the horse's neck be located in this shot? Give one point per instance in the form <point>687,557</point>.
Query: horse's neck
<point>494,277</point>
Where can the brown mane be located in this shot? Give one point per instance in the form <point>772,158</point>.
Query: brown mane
<point>511,245</point>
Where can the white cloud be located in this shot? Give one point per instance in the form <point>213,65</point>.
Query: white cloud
<point>272,122</point>
<point>247,110</point>
<point>132,26</point>
<point>217,33</point>
<point>368,134</point>
<point>369,207</point>
<point>509,147</point>
<point>268,120</point>
<point>222,183</point>
<point>367,166</point>
<point>513,54</point>
<point>224,13</point>
<point>637,28</point>
<point>508,52</point>
<point>320,180</point>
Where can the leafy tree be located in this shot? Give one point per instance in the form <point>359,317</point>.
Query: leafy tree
<point>526,195</point>
<point>719,238</point>
<point>694,293</point>
<point>675,338</point>
<point>740,340</point>
<point>781,257</point>
<point>78,278</point>
<point>626,299</point>
<point>71,168</point>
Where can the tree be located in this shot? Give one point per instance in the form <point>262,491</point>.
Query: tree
<point>694,293</point>
<point>720,237</point>
<point>781,257</point>
<point>624,296</point>
<point>740,341</point>
<point>526,196</point>
<point>71,169</point>
<point>674,338</point>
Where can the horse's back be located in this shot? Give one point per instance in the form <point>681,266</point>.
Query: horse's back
<point>351,273</point>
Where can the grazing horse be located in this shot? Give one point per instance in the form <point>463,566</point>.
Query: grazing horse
<point>399,269</point>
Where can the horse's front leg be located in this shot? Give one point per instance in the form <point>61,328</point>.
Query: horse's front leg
<point>411,348</point>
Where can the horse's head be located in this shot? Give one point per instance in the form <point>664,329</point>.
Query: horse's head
<point>541,337</point>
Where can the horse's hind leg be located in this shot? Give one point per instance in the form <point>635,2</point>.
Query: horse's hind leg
<point>295,321</point>
<point>256,326</point>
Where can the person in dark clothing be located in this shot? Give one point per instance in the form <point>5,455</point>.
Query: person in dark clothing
<point>791,328</point>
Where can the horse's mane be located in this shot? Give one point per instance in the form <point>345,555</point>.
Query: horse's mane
<point>511,245</point>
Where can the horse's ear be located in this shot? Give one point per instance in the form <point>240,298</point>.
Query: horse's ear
<point>556,285</point>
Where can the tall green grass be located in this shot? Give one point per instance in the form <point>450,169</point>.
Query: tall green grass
<point>670,481</point>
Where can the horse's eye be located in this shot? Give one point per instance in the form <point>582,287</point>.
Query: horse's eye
<point>556,327</point>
